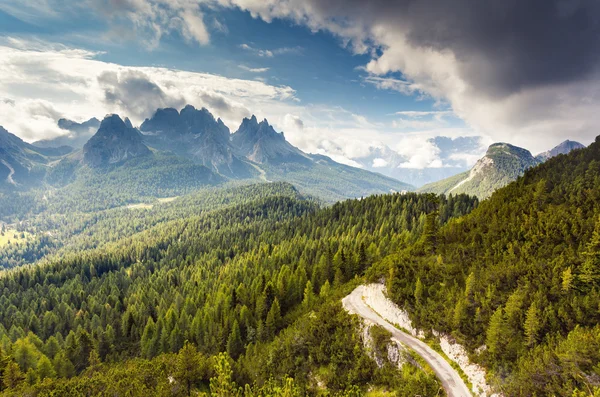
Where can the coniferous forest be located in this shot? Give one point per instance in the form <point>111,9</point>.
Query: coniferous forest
<point>236,290</point>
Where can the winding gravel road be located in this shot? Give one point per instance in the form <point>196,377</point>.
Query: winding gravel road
<point>451,380</point>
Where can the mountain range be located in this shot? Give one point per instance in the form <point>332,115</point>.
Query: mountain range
<point>179,144</point>
<point>502,164</point>
<point>191,148</point>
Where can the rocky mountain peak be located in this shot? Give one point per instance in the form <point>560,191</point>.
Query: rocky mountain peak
<point>562,148</point>
<point>115,142</point>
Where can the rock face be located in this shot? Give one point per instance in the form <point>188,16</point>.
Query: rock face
<point>563,148</point>
<point>77,134</point>
<point>260,143</point>
<point>195,134</point>
<point>114,143</point>
<point>502,164</point>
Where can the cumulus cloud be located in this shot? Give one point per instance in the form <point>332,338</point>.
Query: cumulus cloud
<point>135,93</point>
<point>293,122</point>
<point>527,72</point>
<point>227,109</point>
<point>73,84</point>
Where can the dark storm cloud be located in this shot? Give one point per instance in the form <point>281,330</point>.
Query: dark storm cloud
<point>501,45</point>
<point>135,93</point>
<point>511,44</point>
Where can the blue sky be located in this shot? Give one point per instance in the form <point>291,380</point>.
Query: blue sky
<point>317,64</point>
<point>340,78</point>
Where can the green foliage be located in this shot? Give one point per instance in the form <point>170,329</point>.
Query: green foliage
<point>519,274</point>
<point>256,271</point>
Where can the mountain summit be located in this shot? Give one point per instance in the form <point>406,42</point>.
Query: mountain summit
<point>502,164</point>
<point>562,148</point>
<point>260,143</point>
<point>197,135</point>
<point>115,142</point>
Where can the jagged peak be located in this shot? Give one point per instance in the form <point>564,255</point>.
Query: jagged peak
<point>112,119</point>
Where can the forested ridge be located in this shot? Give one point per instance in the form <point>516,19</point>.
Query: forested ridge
<point>225,279</point>
<point>519,275</point>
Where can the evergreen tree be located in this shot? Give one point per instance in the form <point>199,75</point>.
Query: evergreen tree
<point>189,367</point>
<point>273,319</point>
<point>12,376</point>
<point>235,346</point>
<point>222,384</point>
<point>532,324</point>
<point>45,369</point>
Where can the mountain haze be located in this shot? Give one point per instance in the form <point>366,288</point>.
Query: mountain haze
<point>77,134</point>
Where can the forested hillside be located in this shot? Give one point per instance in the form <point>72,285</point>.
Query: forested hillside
<point>235,288</point>
<point>259,276</point>
<point>519,275</point>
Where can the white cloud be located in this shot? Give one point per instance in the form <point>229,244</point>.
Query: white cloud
<point>253,70</point>
<point>419,114</point>
<point>257,51</point>
<point>380,163</point>
<point>270,53</point>
<point>71,83</point>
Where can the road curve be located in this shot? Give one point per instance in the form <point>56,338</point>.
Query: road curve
<point>451,380</point>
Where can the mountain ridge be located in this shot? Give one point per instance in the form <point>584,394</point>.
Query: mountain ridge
<point>502,164</point>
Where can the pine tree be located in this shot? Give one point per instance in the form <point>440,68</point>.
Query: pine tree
<point>309,296</point>
<point>149,339</point>
<point>532,324</point>
<point>189,367</point>
<point>63,366</point>
<point>45,369</point>
<point>496,333</point>
<point>222,384</point>
<point>418,291</point>
<point>12,375</point>
<point>235,346</point>
<point>273,319</point>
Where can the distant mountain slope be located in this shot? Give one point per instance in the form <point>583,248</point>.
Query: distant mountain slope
<point>260,143</point>
<point>563,148</point>
<point>195,134</point>
<point>182,147</point>
<point>78,134</point>
<point>502,164</point>
<point>115,142</point>
<point>316,175</point>
<point>23,165</point>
